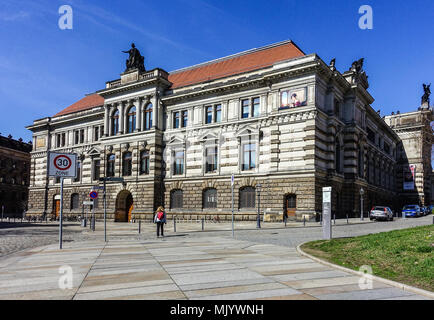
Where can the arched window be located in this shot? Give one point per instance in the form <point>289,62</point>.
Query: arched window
<point>131,116</point>
<point>247,198</point>
<point>144,162</point>
<point>148,117</point>
<point>111,165</point>
<point>115,123</point>
<point>75,201</point>
<point>176,199</point>
<point>127,164</point>
<point>209,198</point>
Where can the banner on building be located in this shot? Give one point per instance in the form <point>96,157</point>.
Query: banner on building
<point>409,174</point>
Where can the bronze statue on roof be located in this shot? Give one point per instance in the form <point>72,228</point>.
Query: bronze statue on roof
<point>135,59</point>
<point>427,93</point>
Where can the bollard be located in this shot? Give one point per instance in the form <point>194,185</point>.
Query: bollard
<point>203,224</point>
<point>334,218</point>
<point>174,225</point>
<point>285,220</point>
<point>140,224</point>
<point>304,221</point>
<point>433,220</point>
<point>347,218</point>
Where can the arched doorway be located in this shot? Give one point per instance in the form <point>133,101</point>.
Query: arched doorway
<point>124,206</point>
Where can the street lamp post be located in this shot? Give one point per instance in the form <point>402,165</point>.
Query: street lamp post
<point>258,219</point>
<point>362,192</point>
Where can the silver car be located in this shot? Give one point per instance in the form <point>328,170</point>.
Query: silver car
<point>383,213</point>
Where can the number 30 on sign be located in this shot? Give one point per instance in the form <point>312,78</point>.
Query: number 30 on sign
<point>62,164</point>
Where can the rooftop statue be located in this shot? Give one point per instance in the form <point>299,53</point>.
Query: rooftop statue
<point>427,93</point>
<point>357,66</point>
<point>135,60</point>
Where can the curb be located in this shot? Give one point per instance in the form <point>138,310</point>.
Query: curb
<point>398,285</point>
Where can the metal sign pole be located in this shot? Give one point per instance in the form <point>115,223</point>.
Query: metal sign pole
<point>3,211</point>
<point>61,213</point>
<point>232,188</point>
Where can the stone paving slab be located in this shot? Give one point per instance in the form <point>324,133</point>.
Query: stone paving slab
<point>179,268</point>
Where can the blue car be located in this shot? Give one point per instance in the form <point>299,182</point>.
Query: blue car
<point>412,210</point>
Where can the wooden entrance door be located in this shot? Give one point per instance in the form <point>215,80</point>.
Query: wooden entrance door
<point>57,207</point>
<point>290,205</point>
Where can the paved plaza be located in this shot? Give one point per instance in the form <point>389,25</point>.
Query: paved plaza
<point>188,264</point>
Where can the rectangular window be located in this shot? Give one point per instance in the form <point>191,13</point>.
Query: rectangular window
<point>96,169</point>
<point>218,113</point>
<point>57,140</point>
<point>63,139</point>
<point>178,163</point>
<point>184,118</point>
<point>211,159</point>
<point>76,137</point>
<point>96,134</point>
<point>208,114</point>
<point>249,156</point>
<point>82,136</point>
<point>256,106</point>
<point>371,135</point>
<point>176,120</point>
<point>245,105</point>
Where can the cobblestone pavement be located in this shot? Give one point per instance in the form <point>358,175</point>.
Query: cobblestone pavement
<point>15,237</point>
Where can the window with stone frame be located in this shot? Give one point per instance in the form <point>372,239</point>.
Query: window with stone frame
<point>248,155</point>
<point>211,159</point>
<point>176,199</point>
<point>247,198</point>
<point>131,120</point>
<point>115,123</point>
<point>184,120</point>
<point>178,162</point>
<point>75,201</point>
<point>96,169</point>
<point>96,133</point>
<point>144,162</point>
<point>110,172</point>
<point>127,164</point>
<point>209,200</point>
<point>176,120</point>
<point>81,135</point>
<point>209,113</point>
<point>148,117</point>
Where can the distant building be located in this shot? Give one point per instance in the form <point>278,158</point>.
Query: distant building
<point>272,116</point>
<point>413,170</point>
<point>14,175</point>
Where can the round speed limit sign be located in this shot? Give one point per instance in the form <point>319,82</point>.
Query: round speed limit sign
<point>62,164</point>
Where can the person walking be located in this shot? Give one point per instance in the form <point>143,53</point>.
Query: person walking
<point>160,220</point>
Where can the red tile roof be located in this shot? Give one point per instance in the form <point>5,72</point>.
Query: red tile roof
<point>235,64</point>
<point>232,65</point>
<point>87,102</point>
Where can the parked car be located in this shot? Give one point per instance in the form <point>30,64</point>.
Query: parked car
<point>383,213</point>
<point>412,210</point>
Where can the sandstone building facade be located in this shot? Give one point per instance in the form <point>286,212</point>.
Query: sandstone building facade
<point>283,122</point>
<point>14,175</point>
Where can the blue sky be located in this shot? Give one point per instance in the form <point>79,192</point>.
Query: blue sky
<point>44,69</point>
